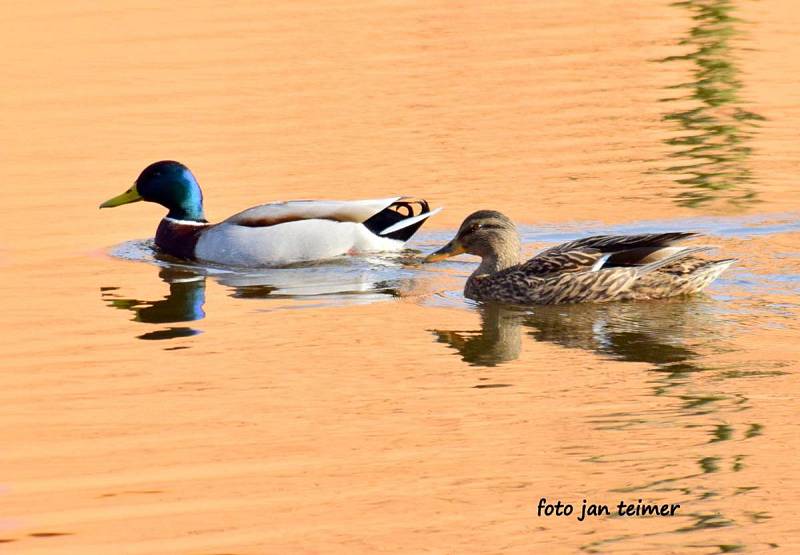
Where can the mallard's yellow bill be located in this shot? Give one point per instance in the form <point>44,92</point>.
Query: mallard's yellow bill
<point>453,248</point>
<point>131,195</point>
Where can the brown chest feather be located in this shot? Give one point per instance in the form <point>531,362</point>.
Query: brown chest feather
<point>178,239</point>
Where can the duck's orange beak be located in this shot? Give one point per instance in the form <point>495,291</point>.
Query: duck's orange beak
<point>131,195</point>
<point>453,248</point>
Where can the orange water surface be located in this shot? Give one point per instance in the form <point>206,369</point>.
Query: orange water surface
<point>363,406</point>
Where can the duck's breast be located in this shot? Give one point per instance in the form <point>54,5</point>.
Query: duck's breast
<point>179,238</point>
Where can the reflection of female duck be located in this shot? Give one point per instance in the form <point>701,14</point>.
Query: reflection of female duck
<point>654,332</point>
<point>499,339</point>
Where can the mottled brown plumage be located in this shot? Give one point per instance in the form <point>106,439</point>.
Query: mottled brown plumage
<point>594,269</point>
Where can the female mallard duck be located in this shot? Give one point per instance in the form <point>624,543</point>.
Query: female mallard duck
<point>595,269</point>
<point>271,233</point>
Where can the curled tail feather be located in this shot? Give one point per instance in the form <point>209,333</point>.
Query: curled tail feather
<point>399,221</point>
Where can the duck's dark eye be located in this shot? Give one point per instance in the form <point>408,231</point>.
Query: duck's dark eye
<point>471,229</point>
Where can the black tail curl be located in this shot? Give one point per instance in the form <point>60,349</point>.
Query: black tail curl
<point>396,212</point>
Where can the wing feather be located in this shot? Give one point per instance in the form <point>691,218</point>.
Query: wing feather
<point>266,215</point>
<point>614,243</point>
<point>551,262</point>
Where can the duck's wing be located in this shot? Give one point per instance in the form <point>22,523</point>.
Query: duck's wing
<point>395,218</point>
<point>607,251</point>
<point>554,262</point>
<point>265,215</point>
<point>597,283</point>
<point>616,243</point>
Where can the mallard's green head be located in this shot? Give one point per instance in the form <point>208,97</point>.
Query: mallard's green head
<point>171,185</point>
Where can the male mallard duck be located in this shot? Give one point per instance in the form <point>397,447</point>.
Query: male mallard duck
<point>269,234</point>
<point>595,269</point>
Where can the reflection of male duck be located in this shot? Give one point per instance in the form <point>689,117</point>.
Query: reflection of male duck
<point>187,287</point>
<point>652,332</point>
<point>184,303</point>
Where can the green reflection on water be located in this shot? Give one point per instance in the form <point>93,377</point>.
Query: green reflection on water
<point>672,336</point>
<point>184,303</point>
<point>722,432</point>
<point>715,128</point>
<point>754,431</point>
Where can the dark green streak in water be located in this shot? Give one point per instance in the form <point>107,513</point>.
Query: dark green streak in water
<point>722,432</point>
<point>713,146</point>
